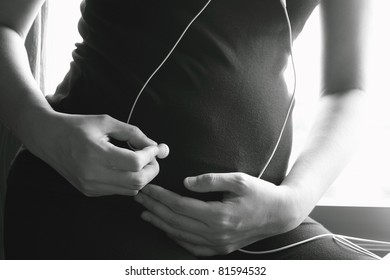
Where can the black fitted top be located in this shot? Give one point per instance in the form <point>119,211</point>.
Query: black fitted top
<point>219,101</point>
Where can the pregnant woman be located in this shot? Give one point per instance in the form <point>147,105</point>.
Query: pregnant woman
<point>205,78</point>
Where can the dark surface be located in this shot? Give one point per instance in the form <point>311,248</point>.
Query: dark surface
<point>8,147</point>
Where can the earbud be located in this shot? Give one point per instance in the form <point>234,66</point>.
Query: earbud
<point>164,151</point>
<point>284,3</point>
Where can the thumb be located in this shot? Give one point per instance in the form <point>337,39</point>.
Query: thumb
<point>216,182</point>
<point>128,133</point>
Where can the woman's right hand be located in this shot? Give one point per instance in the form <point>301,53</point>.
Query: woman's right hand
<point>79,148</point>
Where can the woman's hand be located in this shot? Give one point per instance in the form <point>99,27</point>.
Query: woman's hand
<point>76,146</point>
<point>252,209</point>
<point>79,148</point>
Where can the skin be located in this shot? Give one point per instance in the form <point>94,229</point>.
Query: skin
<point>252,209</point>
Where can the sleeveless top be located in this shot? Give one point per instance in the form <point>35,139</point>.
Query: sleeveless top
<point>220,99</point>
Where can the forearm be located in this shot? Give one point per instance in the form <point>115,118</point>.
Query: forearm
<point>22,104</point>
<point>328,148</point>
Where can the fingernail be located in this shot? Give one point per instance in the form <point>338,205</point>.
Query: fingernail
<point>155,149</point>
<point>189,181</point>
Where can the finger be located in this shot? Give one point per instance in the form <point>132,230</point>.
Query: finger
<point>190,207</point>
<point>128,133</point>
<point>128,179</point>
<point>97,190</point>
<point>124,159</point>
<point>148,154</point>
<point>163,153</point>
<point>171,231</point>
<point>218,182</point>
<point>174,220</point>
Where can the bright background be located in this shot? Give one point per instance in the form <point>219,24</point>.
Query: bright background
<point>364,182</point>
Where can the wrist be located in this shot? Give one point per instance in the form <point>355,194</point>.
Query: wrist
<point>292,213</point>
<point>33,124</point>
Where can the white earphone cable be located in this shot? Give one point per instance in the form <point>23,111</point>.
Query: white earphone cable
<point>343,239</point>
<point>285,247</point>
<point>165,59</point>
<point>292,95</point>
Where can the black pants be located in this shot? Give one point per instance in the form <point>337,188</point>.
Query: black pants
<point>47,218</point>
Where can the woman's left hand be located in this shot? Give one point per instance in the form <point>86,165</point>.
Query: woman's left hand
<point>252,209</point>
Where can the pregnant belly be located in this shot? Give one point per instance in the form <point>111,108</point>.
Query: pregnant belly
<point>219,126</point>
<point>215,119</point>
